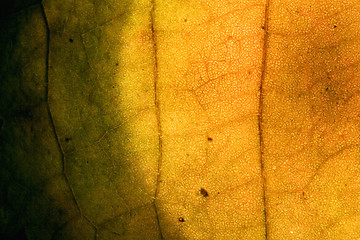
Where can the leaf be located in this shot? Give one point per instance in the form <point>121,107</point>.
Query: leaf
<point>312,134</point>
<point>180,120</point>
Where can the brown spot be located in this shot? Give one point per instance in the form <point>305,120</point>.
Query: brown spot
<point>209,139</point>
<point>181,219</point>
<point>117,64</point>
<point>67,139</point>
<point>304,196</point>
<point>204,192</point>
<point>71,40</point>
<point>335,26</point>
<point>185,20</point>
<point>263,27</point>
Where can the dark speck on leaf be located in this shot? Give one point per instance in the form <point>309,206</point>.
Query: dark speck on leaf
<point>335,26</point>
<point>67,139</point>
<point>181,219</point>
<point>61,212</point>
<point>304,196</point>
<point>71,40</point>
<point>204,192</point>
<point>209,139</point>
<point>117,64</point>
<point>263,27</point>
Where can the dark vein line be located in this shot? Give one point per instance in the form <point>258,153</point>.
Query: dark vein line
<point>260,120</point>
<point>51,115</point>
<point>157,109</point>
<point>48,100</point>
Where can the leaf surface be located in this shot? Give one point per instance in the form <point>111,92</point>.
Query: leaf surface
<point>180,120</point>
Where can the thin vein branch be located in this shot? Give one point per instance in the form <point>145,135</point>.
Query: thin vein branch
<point>157,107</point>
<point>260,116</point>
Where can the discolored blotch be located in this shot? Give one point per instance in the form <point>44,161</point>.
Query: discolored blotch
<point>71,40</point>
<point>68,139</point>
<point>181,219</point>
<point>209,139</point>
<point>204,192</point>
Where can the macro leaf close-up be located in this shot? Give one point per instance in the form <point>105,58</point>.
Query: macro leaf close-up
<point>179,119</point>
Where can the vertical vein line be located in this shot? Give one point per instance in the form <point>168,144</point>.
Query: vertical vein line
<point>260,116</point>
<point>51,115</point>
<point>48,104</point>
<point>157,109</point>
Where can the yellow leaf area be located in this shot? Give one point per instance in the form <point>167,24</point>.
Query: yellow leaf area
<point>259,107</point>
<point>209,58</point>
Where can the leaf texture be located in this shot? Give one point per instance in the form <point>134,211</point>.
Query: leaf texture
<point>180,119</point>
